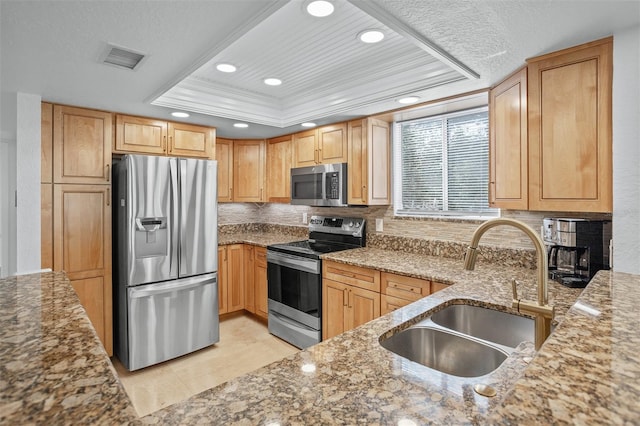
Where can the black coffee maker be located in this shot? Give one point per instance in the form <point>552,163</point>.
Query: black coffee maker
<point>577,249</point>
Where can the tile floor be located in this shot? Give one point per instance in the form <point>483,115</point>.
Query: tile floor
<point>245,345</point>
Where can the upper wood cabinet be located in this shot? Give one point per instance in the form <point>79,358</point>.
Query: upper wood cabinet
<point>324,145</point>
<point>248,170</point>
<point>279,161</point>
<point>141,135</point>
<point>570,135</point>
<point>191,141</point>
<point>508,170</point>
<point>369,165</point>
<point>151,136</point>
<point>82,141</point>
<point>224,156</point>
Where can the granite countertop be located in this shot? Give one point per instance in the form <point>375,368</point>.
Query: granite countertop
<point>261,239</point>
<point>587,371</point>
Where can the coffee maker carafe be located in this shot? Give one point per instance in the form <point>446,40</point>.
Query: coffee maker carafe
<point>577,249</point>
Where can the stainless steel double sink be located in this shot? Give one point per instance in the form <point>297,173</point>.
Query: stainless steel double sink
<point>462,340</point>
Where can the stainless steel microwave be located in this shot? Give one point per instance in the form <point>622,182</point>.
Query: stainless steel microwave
<point>321,185</point>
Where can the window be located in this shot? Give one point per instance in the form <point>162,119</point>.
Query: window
<point>442,165</point>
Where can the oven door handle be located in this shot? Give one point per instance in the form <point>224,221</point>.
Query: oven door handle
<point>290,322</point>
<point>294,262</point>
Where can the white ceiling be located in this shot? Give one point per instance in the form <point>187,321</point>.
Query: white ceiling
<point>433,49</point>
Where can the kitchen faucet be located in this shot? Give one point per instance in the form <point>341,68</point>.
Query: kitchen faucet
<point>542,312</point>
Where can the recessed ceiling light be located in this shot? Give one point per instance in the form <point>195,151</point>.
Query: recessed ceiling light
<point>320,8</point>
<point>226,68</point>
<point>308,124</point>
<point>272,81</point>
<point>241,125</point>
<point>371,36</point>
<point>409,100</point>
<point>180,114</point>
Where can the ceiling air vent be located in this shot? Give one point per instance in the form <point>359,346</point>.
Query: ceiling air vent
<point>121,57</point>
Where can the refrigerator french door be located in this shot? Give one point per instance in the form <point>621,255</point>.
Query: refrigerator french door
<point>165,244</point>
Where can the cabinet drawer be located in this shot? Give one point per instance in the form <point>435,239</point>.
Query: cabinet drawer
<point>404,287</point>
<point>390,303</point>
<point>260,256</point>
<point>365,278</point>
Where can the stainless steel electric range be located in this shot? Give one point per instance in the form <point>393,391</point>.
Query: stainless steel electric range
<point>294,277</point>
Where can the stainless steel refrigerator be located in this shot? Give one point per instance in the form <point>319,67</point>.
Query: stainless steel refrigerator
<point>165,258</point>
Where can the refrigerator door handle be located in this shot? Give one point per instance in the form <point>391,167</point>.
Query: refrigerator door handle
<point>154,289</point>
<point>174,248</point>
<point>182,181</point>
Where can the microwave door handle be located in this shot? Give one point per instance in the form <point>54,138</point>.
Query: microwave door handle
<point>323,186</point>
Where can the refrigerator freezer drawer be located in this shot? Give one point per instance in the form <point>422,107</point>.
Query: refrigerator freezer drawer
<point>167,320</point>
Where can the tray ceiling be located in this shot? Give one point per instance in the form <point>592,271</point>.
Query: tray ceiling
<point>325,69</point>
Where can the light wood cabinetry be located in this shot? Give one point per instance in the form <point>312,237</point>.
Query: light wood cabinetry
<point>508,143</point>
<point>191,141</point>
<point>75,198</point>
<point>369,165</point>
<point>279,161</point>
<point>230,278</point>
<point>400,290</point>
<point>140,135</point>
<point>249,282</point>
<point>260,282</point>
<point>436,286</point>
<point>248,170</point>
<point>570,135</point>
<point>325,145</point>
<point>81,145</point>
<point>82,248</point>
<point>152,136</point>
<point>224,156</point>
<point>223,279</point>
<point>350,297</point>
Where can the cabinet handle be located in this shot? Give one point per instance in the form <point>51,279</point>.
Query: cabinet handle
<point>108,174</point>
<point>364,192</point>
<point>319,155</point>
<point>315,156</point>
<point>108,197</point>
<point>170,144</point>
<point>345,297</point>
<point>350,305</point>
<point>164,144</point>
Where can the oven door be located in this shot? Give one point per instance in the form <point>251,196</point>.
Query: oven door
<point>295,294</point>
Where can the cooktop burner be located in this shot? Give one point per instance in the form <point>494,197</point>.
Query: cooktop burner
<point>311,247</point>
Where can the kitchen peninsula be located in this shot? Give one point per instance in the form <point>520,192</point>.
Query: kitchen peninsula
<point>53,366</point>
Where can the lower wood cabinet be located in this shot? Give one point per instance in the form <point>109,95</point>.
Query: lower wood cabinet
<point>230,278</point>
<point>242,279</point>
<point>400,290</point>
<point>82,248</point>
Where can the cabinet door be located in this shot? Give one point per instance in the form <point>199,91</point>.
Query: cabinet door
<point>335,299</point>
<point>305,148</point>
<point>90,291</point>
<point>224,156</point>
<point>279,159</point>
<point>140,135</point>
<point>81,145</point>
<point>248,170</point>
<point>235,284</point>
<point>357,276</point>
<point>332,144</point>
<point>191,141</point>
<point>369,151</point>
<point>436,286</point>
<point>223,280</point>
<point>404,287</point>
<point>46,225</point>
<point>260,282</point>
<point>82,245</point>
<point>508,142</point>
<point>249,281</point>
<point>46,143</point>
<point>390,303</point>
<point>364,305</point>
<point>570,136</point>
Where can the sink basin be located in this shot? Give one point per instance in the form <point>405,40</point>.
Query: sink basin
<point>446,352</point>
<point>487,324</point>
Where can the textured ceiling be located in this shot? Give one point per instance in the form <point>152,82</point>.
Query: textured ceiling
<point>52,49</point>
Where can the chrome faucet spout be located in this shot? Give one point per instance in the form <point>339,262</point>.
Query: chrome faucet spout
<point>541,310</point>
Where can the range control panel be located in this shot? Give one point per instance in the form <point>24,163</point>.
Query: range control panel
<point>337,225</point>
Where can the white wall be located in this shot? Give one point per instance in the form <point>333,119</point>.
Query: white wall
<point>626,151</point>
<point>28,182</point>
<point>7,184</point>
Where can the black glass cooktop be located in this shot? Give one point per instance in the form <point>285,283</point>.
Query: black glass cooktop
<point>310,248</point>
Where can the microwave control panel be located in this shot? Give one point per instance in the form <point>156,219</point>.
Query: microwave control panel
<point>333,186</point>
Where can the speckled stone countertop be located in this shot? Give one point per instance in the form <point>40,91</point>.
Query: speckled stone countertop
<point>587,372</point>
<point>53,368</point>
<point>261,239</point>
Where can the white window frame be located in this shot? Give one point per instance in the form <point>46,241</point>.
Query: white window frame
<point>397,173</point>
